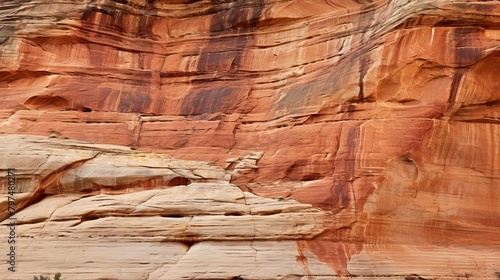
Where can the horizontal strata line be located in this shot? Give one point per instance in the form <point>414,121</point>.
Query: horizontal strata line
<point>194,238</point>
<point>421,276</point>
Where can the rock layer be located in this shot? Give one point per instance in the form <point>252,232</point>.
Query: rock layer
<point>379,120</point>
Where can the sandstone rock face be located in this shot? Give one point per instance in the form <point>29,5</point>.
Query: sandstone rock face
<point>252,139</point>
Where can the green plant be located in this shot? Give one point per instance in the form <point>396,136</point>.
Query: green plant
<point>56,277</point>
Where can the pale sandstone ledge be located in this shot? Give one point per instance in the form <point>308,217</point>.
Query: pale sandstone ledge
<point>82,232</point>
<point>100,258</point>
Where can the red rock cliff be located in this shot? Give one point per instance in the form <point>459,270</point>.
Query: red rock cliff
<point>349,139</point>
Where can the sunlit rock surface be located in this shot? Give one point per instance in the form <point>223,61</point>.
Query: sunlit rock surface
<point>291,139</point>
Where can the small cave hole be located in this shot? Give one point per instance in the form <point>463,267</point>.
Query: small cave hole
<point>46,102</point>
<point>173,216</point>
<point>89,218</point>
<point>414,277</point>
<point>178,181</point>
<point>188,243</point>
<point>233,214</point>
<point>311,177</point>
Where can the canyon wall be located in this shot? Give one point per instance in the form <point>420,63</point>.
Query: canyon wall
<point>256,139</point>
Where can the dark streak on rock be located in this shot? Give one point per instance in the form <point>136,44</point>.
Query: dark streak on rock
<point>344,172</point>
<point>223,55</point>
<point>133,102</point>
<point>468,48</point>
<point>209,101</point>
<point>467,53</point>
<point>297,98</point>
<point>364,62</point>
<point>111,17</point>
<point>228,22</point>
<point>5,32</point>
<point>146,26</point>
<point>300,96</point>
<point>368,15</point>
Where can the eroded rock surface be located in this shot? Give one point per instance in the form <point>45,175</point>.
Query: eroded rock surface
<point>360,138</point>
<point>80,196</point>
